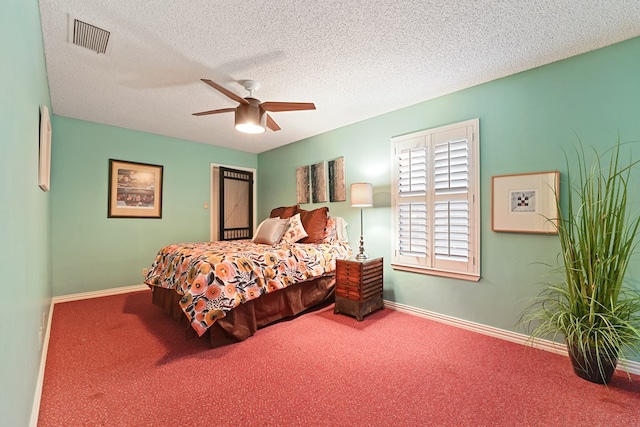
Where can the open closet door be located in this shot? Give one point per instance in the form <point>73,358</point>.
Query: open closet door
<point>236,204</point>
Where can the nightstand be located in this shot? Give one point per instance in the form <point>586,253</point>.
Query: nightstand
<point>358,287</point>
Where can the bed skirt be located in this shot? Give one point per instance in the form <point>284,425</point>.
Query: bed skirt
<point>244,320</point>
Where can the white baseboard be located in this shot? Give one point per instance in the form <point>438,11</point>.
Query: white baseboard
<point>624,365</point>
<point>35,408</point>
<point>101,293</point>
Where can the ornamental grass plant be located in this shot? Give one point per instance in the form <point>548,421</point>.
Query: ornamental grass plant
<point>591,304</point>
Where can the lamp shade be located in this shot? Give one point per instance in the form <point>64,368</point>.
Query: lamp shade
<point>361,195</point>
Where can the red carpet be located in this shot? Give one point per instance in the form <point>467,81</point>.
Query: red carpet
<point>120,361</point>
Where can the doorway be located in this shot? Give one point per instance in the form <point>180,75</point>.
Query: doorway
<point>233,202</point>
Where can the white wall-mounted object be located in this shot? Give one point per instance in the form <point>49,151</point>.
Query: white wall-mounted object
<point>44,165</point>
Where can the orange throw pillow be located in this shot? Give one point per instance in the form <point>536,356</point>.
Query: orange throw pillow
<point>284,211</point>
<point>314,222</point>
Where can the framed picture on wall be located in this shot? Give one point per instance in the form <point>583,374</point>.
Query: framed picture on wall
<point>337,188</point>
<point>302,184</point>
<point>525,203</point>
<point>44,161</point>
<point>319,182</point>
<point>135,190</point>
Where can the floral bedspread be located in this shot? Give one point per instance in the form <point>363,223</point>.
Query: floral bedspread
<point>215,277</point>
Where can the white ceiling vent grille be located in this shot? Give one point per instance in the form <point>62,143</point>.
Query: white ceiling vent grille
<point>89,36</point>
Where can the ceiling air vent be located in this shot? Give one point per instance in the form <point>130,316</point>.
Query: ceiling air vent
<point>89,36</point>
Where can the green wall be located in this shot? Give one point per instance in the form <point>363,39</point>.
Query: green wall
<point>92,252</point>
<point>24,209</point>
<point>62,242</point>
<point>525,122</point>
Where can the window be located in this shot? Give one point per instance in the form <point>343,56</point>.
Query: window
<point>435,201</point>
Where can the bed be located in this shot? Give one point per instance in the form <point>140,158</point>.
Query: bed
<point>226,290</point>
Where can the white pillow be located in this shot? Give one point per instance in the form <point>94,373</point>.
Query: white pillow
<point>341,229</point>
<point>270,231</point>
<point>257,230</point>
<point>295,231</point>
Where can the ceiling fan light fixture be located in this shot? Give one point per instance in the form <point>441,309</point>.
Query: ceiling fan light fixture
<point>250,118</point>
<point>251,115</point>
<point>249,128</point>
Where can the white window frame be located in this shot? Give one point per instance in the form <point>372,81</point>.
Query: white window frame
<point>427,256</point>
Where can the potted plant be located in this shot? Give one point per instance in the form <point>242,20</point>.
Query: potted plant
<point>591,305</point>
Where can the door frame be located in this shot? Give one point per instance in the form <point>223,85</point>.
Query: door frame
<point>213,197</point>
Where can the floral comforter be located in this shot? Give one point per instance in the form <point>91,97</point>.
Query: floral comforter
<point>215,277</point>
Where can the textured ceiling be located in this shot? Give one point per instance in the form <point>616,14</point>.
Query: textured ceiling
<point>354,59</point>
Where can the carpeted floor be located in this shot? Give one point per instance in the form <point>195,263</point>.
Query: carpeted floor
<point>120,361</point>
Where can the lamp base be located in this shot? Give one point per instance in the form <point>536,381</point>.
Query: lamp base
<point>362,256</point>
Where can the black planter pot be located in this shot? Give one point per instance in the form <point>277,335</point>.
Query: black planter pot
<point>586,365</point>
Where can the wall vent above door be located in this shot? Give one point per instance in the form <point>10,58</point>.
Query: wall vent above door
<point>90,36</point>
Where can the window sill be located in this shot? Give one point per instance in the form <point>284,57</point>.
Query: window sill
<point>441,273</point>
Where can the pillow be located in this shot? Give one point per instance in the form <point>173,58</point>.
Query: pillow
<point>314,223</point>
<point>335,230</point>
<point>341,229</point>
<point>330,233</point>
<point>255,233</point>
<point>270,231</point>
<point>284,211</point>
<point>295,231</point>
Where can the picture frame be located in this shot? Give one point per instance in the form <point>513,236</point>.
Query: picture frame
<point>319,182</point>
<point>44,160</point>
<point>135,190</point>
<point>303,184</point>
<point>337,187</point>
<point>525,203</point>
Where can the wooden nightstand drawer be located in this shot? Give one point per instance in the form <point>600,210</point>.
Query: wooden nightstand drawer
<point>359,286</point>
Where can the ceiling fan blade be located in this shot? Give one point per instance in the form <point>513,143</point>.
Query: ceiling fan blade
<point>222,110</point>
<point>271,124</point>
<point>225,91</point>
<point>275,107</point>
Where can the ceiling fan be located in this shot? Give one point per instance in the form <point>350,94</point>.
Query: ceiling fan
<point>251,114</point>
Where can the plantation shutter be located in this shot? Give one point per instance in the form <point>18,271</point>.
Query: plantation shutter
<point>435,214</point>
<point>451,170</point>
<point>411,224</point>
